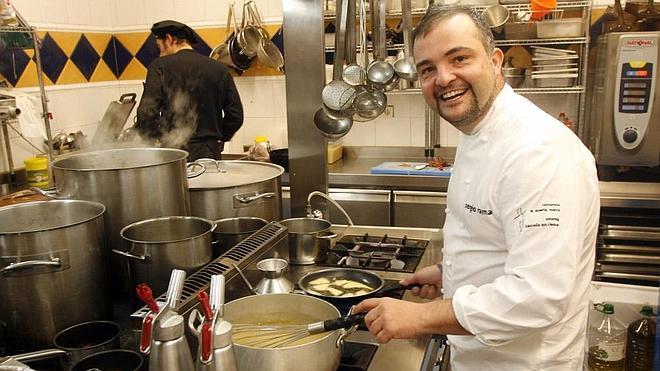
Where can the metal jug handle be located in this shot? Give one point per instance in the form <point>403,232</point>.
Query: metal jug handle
<point>195,316</point>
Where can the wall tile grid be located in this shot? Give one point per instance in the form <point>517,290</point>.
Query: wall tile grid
<point>95,50</point>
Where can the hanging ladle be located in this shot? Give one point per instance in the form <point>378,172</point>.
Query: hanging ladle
<point>405,67</point>
<point>354,74</point>
<point>334,118</point>
<point>380,72</point>
<point>369,102</point>
<point>337,94</point>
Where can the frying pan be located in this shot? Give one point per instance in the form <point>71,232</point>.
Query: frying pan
<point>368,278</point>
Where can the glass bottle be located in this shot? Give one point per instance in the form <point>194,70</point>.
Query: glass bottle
<point>607,341</point>
<point>640,342</point>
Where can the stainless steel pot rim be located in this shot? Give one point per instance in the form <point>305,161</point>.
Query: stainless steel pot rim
<point>3,209</point>
<point>108,324</point>
<point>236,173</point>
<point>152,220</point>
<point>283,297</point>
<point>220,222</point>
<point>321,221</point>
<point>60,163</point>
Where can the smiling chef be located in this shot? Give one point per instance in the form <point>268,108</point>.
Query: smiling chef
<point>522,216</point>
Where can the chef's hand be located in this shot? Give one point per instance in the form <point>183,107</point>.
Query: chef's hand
<point>431,280</point>
<point>389,318</point>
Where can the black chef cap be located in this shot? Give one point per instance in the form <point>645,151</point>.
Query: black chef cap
<point>174,28</point>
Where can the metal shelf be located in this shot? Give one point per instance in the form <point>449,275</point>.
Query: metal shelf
<point>572,40</point>
<point>562,41</point>
<point>511,7</point>
<point>522,91</point>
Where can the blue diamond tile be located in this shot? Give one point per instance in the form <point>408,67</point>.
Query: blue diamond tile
<point>148,51</point>
<point>85,57</point>
<point>12,64</point>
<point>53,58</point>
<point>116,56</point>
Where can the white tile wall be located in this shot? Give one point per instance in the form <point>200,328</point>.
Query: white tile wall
<point>81,107</point>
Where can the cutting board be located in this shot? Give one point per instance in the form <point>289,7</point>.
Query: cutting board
<point>408,168</point>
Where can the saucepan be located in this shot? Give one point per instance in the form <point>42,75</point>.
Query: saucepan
<point>309,239</point>
<point>361,285</point>
<point>321,352</point>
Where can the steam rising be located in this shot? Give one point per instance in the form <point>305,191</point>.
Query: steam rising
<point>183,121</point>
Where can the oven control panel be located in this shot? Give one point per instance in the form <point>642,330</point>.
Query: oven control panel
<point>637,67</point>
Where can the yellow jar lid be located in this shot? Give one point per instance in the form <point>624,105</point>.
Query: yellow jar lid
<point>36,163</point>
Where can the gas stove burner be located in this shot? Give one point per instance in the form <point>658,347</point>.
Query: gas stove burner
<point>397,254</point>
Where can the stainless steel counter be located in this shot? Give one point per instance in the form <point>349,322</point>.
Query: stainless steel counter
<point>353,171</point>
<point>397,355</point>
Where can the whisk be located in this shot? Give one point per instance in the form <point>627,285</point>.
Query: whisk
<point>278,336</point>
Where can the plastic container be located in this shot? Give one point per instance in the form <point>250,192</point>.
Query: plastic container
<point>607,341</point>
<point>551,80</point>
<point>567,27</point>
<point>540,8</point>
<point>335,152</point>
<point>640,342</point>
<point>37,171</point>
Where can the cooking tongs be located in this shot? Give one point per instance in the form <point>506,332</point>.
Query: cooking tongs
<point>157,313</point>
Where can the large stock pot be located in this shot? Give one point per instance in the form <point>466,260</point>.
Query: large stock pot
<point>133,183</point>
<point>52,270</point>
<point>321,354</point>
<point>230,189</point>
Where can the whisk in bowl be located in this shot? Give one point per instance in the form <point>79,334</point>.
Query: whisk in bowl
<point>278,336</point>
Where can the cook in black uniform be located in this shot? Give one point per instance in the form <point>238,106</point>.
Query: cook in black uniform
<point>190,101</point>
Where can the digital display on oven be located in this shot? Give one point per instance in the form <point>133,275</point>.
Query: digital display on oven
<point>635,87</point>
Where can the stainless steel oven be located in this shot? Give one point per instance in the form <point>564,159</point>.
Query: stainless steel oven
<point>623,118</point>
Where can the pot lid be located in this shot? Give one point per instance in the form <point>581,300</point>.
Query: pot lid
<point>225,174</point>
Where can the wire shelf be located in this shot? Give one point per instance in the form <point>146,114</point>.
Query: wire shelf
<point>524,6</point>
<point>522,91</point>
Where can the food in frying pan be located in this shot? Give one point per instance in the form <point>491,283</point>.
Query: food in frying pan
<point>338,287</point>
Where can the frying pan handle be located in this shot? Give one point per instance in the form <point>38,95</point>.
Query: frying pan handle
<point>398,287</point>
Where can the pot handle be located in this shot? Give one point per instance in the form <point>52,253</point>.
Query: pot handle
<point>52,194</point>
<point>54,262</point>
<point>328,236</point>
<point>247,199</point>
<point>129,255</point>
<point>191,173</point>
<point>346,333</point>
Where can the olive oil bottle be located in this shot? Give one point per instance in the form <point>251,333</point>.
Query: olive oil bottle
<point>607,341</point>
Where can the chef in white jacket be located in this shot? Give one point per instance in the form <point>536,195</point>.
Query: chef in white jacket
<point>522,215</point>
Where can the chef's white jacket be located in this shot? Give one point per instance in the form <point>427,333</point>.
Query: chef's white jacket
<point>519,240</point>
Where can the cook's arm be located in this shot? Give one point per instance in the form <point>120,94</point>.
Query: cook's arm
<point>148,112</point>
<point>232,109</point>
<point>545,261</point>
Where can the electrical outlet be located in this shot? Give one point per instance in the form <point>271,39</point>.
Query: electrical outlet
<point>389,111</point>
